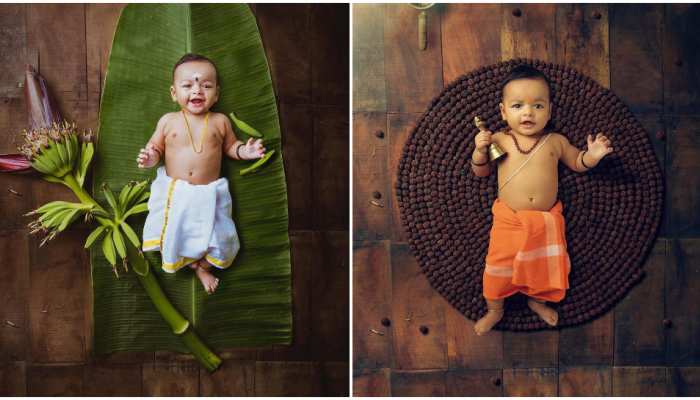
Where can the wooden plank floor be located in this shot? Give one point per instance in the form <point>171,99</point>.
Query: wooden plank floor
<point>45,307</point>
<point>647,345</point>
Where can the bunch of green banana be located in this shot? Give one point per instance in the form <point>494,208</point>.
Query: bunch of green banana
<point>54,217</point>
<point>132,200</point>
<point>54,151</point>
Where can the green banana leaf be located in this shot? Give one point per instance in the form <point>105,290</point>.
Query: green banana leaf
<point>252,305</point>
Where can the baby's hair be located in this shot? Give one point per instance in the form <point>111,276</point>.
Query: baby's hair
<point>524,71</point>
<point>193,57</point>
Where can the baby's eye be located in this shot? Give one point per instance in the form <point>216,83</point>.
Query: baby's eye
<point>516,106</point>
<point>187,85</point>
<point>539,106</point>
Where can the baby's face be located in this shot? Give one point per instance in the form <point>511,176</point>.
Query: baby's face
<point>526,106</point>
<point>195,87</point>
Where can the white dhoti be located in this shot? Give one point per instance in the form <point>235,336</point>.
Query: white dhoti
<point>188,222</point>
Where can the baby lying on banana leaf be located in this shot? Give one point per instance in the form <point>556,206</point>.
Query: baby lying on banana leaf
<point>189,219</point>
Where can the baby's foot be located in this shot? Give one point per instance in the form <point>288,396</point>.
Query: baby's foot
<point>488,321</point>
<point>209,281</point>
<point>547,314</point>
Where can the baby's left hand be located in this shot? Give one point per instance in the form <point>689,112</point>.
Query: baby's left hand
<point>599,147</point>
<point>252,149</point>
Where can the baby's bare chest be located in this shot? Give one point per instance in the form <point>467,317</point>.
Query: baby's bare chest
<point>539,161</point>
<point>196,138</point>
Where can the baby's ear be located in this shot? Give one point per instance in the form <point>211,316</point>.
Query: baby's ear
<point>172,93</point>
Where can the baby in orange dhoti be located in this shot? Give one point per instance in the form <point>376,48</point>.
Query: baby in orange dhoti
<point>527,248</point>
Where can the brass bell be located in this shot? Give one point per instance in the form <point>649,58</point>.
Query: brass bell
<point>495,151</point>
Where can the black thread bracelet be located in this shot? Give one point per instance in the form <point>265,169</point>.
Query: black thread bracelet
<point>583,163</point>
<point>471,160</point>
<point>237,151</point>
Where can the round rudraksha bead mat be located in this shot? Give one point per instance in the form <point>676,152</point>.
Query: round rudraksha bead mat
<point>612,211</point>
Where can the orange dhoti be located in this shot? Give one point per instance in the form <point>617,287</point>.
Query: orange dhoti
<point>527,254</point>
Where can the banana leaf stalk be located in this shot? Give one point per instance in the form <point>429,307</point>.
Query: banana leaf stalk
<point>62,155</point>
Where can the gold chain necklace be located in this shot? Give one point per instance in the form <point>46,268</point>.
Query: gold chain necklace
<point>201,134</point>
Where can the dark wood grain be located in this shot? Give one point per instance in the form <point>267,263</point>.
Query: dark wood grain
<point>413,76</point>
<point>530,349</point>
<point>371,383</point>
<point>330,30</point>
<point>14,54</point>
<point>418,383</point>
<point>288,48</point>
<point>475,382</point>
<point>171,379</point>
<point>371,216</point>
<point>467,350</point>
<point>639,336</point>
<point>582,39</point>
<point>413,349</point>
<point>55,380</point>
<point>99,380</point>
<point>100,24</point>
<point>233,378</point>
<point>331,168</point>
<point>470,38</point>
<point>636,62</point>
<point>57,31</point>
<point>585,381</point>
<point>303,255</point>
<point>400,127</point>
<point>16,199</point>
<point>682,178</point>
<point>684,381</point>
<point>588,344</point>
<point>14,289</point>
<point>372,303</point>
<point>334,379</point>
<point>12,44</point>
<point>683,303</point>
<point>639,381</point>
<point>287,379</point>
<point>530,382</point>
<point>681,60</point>
<point>368,78</point>
<point>13,378</point>
<point>530,35</point>
<point>59,282</point>
<point>297,142</point>
<point>330,309</point>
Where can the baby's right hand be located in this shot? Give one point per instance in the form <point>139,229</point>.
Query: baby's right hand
<point>483,141</point>
<point>148,157</point>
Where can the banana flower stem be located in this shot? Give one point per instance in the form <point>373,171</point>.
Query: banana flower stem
<point>179,325</point>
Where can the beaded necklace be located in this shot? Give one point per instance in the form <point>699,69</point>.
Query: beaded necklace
<point>517,146</point>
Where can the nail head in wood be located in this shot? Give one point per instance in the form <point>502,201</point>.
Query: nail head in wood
<point>386,322</point>
<point>597,15</point>
<point>668,323</point>
<point>376,195</point>
<point>379,134</point>
<point>496,381</point>
<point>517,12</point>
<point>424,329</point>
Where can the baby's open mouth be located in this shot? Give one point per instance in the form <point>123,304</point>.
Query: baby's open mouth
<point>197,102</point>
<point>527,123</point>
